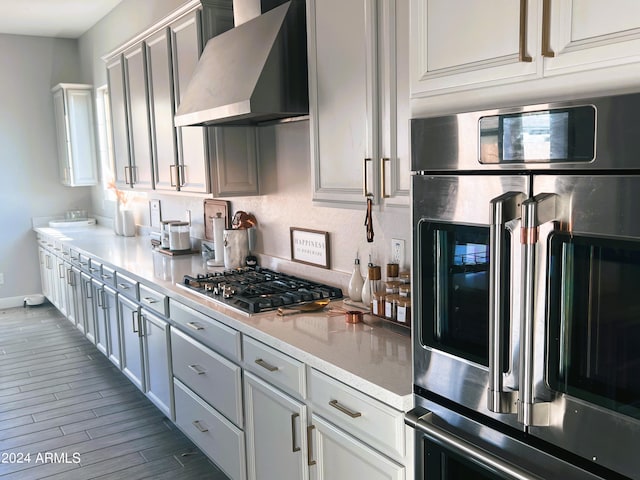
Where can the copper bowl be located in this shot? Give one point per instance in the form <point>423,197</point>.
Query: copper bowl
<point>353,316</point>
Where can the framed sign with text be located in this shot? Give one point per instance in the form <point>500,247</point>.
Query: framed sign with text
<point>310,247</point>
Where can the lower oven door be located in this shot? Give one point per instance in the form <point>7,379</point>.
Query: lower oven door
<point>466,247</point>
<point>449,446</point>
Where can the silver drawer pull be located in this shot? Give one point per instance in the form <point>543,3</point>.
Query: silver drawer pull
<point>345,410</point>
<point>195,326</point>
<point>196,423</point>
<point>198,369</point>
<point>149,300</point>
<point>123,286</point>
<point>268,366</point>
<point>92,269</point>
<point>106,276</point>
<point>294,449</point>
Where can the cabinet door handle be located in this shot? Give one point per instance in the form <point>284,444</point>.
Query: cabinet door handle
<point>293,432</point>
<point>345,410</point>
<point>123,286</point>
<point>171,175</point>
<point>101,302</point>
<point>127,179</point>
<point>268,366</point>
<point>365,182</point>
<point>310,462</point>
<point>70,278</point>
<point>383,176</point>
<point>87,285</point>
<point>60,271</point>
<point>546,30</point>
<point>196,423</point>
<point>149,300</point>
<point>106,276</point>
<point>194,326</point>
<point>522,51</point>
<point>181,176</point>
<point>197,369</point>
<point>134,322</point>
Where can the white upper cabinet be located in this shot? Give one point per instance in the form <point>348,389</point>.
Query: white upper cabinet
<point>193,164</point>
<point>358,100</point>
<point>165,165</point>
<point>73,110</point>
<point>499,42</point>
<point>472,44</point>
<point>135,75</point>
<point>589,34</point>
<point>147,78</point>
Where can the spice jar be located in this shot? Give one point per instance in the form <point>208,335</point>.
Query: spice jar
<point>377,304</point>
<point>391,306</point>
<point>403,313</point>
<point>404,276</point>
<point>392,271</point>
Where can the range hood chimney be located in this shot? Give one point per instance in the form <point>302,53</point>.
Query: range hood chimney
<point>253,73</point>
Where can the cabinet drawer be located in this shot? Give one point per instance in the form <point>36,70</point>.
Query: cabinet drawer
<point>214,378</point>
<point>218,438</point>
<point>127,286</point>
<point>108,276</point>
<point>373,422</point>
<point>153,300</point>
<point>217,336</point>
<point>275,367</point>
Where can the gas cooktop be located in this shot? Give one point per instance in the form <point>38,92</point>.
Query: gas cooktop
<point>255,289</point>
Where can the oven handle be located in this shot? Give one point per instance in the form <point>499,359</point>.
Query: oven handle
<point>505,208</point>
<point>536,211</point>
<point>423,420</point>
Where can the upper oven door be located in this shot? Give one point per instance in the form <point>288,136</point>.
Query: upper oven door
<point>466,283</point>
<point>582,350</point>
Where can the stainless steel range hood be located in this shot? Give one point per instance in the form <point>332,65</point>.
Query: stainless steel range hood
<point>253,73</point>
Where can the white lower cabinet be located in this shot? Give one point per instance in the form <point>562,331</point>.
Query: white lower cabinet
<point>276,429</point>
<point>208,387</point>
<point>101,335</point>
<point>156,349</point>
<point>340,456</point>
<point>131,338</point>
<point>110,312</point>
<point>88,296</point>
<point>216,436</point>
<point>355,433</point>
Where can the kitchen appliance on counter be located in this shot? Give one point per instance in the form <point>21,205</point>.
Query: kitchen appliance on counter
<point>255,289</point>
<point>526,256</point>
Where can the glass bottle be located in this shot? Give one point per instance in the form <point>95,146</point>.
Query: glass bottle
<point>356,282</point>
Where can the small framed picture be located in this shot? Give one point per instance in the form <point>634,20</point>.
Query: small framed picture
<point>310,247</point>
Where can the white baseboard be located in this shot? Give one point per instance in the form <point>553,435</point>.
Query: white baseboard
<point>11,302</point>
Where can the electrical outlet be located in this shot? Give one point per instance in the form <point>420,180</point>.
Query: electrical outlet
<point>397,251</point>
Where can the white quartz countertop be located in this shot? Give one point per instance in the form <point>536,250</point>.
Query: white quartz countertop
<point>367,356</point>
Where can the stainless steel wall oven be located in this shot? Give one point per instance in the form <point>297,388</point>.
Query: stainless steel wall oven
<point>526,237</point>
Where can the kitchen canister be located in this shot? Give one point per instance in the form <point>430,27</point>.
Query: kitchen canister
<point>236,247</point>
<point>218,240</point>
<point>179,238</point>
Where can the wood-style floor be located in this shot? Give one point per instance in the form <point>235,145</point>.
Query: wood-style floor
<point>67,413</point>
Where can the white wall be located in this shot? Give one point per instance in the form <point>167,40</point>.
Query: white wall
<point>29,185</point>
